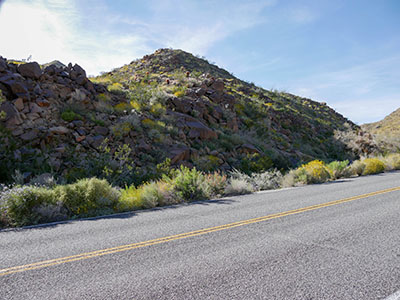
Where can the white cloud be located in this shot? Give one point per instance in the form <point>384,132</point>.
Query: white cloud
<point>52,29</point>
<point>88,32</point>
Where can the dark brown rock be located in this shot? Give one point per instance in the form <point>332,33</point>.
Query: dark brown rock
<point>30,70</point>
<point>30,135</point>
<point>199,130</point>
<point>249,148</point>
<point>100,130</point>
<point>79,70</point>
<point>179,154</point>
<point>81,80</point>
<point>218,85</point>
<point>43,102</point>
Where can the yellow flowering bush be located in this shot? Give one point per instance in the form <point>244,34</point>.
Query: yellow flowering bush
<point>373,166</point>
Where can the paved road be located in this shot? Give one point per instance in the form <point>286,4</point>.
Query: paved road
<point>344,250</point>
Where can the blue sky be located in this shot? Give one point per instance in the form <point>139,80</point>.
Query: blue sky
<point>345,53</point>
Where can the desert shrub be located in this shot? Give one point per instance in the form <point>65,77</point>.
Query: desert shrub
<point>207,163</point>
<point>238,186</point>
<point>21,205</point>
<point>122,107</point>
<point>103,97</point>
<point>313,172</point>
<point>373,166</point>
<point>216,183</point>
<point>88,197</point>
<point>189,184</point>
<point>289,179</point>
<point>3,114</point>
<point>357,168</point>
<point>116,88</point>
<point>267,180</point>
<point>130,199</point>
<point>150,194</point>
<point>179,91</point>
<point>70,115</point>
<point>339,169</point>
<point>255,163</point>
<point>392,161</point>
<point>121,129</point>
<point>44,180</point>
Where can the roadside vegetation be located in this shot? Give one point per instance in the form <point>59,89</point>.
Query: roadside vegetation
<point>44,200</point>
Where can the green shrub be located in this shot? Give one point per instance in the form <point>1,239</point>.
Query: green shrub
<point>88,197</point>
<point>22,206</point>
<point>373,166</point>
<point>255,163</point>
<point>339,169</point>
<point>69,116</point>
<point>189,184</point>
<point>130,199</point>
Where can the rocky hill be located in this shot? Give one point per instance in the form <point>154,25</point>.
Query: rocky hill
<point>124,124</point>
<point>387,131</point>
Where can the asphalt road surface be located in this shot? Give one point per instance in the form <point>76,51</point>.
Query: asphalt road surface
<point>338,240</point>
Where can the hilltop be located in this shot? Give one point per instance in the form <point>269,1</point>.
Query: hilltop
<point>124,124</point>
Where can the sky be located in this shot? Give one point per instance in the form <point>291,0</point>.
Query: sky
<point>344,53</point>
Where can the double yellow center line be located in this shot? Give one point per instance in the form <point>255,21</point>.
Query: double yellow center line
<point>87,255</point>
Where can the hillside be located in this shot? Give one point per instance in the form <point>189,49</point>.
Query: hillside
<point>124,124</point>
<point>387,131</point>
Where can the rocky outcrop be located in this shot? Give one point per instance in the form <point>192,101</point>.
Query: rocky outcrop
<point>196,114</point>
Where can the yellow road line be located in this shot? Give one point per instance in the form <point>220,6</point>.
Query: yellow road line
<point>87,255</point>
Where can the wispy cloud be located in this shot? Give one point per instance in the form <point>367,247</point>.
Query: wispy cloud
<point>362,92</point>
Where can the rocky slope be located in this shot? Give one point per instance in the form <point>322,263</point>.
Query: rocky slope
<point>170,104</point>
<point>387,131</point>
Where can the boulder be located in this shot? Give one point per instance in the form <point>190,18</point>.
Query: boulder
<point>79,70</point>
<point>143,146</point>
<point>179,154</point>
<point>19,104</point>
<point>16,84</point>
<point>59,130</point>
<point>100,130</point>
<point>218,85</point>
<point>30,70</point>
<point>42,102</point>
<point>199,130</point>
<point>30,135</point>
<point>249,148</point>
